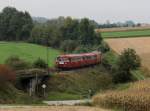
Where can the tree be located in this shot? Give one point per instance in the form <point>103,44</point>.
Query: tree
<point>70,29</point>
<point>69,45</point>
<point>87,33</point>
<point>128,61</point>
<point>14,24</point>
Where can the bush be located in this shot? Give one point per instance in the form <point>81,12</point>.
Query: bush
<point>69,45</point>
<point>82,49</point>
<point>17,64</point>
<point>6,74</point>
<point>127,62</point>
<point>104,47</point>
<point>40,63</point>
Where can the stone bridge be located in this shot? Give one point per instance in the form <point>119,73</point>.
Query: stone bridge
<point>30,79</point>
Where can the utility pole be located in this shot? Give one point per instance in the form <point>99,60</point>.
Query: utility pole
<point>47,54</point>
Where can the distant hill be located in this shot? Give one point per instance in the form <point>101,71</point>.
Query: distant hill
<point>40,19</point>
<point>26,51</point>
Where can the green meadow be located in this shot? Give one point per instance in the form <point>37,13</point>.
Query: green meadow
<point>27,51</point>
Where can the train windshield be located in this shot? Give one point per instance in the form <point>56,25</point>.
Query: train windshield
<point>62,59</point>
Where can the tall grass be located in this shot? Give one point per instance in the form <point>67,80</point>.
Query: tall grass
<point>136,98</point>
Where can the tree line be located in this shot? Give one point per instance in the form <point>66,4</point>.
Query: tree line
<point>66,33</point>
<point>63,33</point>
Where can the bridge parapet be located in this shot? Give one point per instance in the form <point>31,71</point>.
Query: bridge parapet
<point>31,73</point>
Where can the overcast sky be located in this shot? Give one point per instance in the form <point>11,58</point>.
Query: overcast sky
<point>99,10</point>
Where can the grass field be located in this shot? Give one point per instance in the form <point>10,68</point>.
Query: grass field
<point>26,51</point>
<point>126,34</point>
<point>141,45</point>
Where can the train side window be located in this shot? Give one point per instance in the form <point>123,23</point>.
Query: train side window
<point>93,57</point>
<point>88,57</point>
<point>66,59</point>
<point>76,59</point>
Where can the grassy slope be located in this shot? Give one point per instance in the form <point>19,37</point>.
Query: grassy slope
<point>76,84</point>
<point>121,34</point>
<point>26,51</point>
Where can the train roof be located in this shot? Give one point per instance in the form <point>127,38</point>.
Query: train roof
<point>79,55</point>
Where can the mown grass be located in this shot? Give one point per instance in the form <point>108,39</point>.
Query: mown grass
<point>52,96</point>
<point>126,34</point>
<point>26,51</point>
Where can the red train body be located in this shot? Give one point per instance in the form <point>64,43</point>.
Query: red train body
<point>78,60</point>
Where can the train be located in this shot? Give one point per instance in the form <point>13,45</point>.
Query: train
<point>70,61</point>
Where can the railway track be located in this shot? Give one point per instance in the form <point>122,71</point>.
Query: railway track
<point>76,70</point>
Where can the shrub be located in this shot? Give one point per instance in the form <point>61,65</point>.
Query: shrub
<point>16,63</point>
<point>6,74</point>
<point>127,62</point>
<point>104,47</point>
<point>39,63</point>
<point>82,49</point>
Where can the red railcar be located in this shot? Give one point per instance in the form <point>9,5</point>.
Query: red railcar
<point>78,60</point>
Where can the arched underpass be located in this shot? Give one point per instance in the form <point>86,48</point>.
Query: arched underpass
<point>29,80</point>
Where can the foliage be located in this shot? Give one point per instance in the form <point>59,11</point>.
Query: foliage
<point>40,63</point>
<point>17,63</point>
<point>127,62</point>
<point>46,35</point>
<point>70,31</point>
<point>68,45</point>
<point>6,75</point>
<point>135,98</point>
<point>104,47</point>
<point>109,60</point>
<point>14,24</point>
<point>82,49</point>
<point>87,33</point>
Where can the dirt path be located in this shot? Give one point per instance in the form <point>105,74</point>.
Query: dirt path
<point>50,108</point>
<point>67,102</point>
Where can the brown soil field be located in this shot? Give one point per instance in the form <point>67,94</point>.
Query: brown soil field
<point>52,108</point>
<point>141,46</point>
<point>122,29</point>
